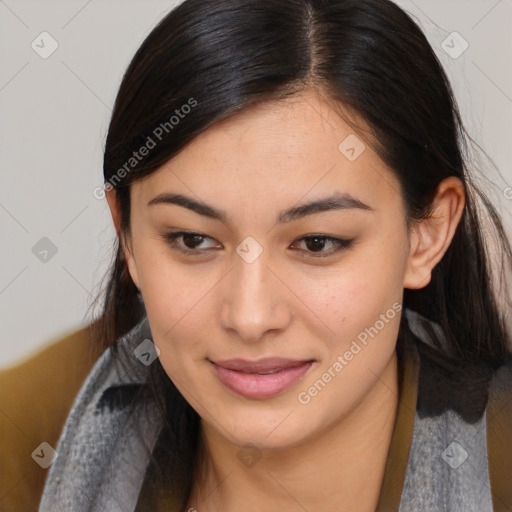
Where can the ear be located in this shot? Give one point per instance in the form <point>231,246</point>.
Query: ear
<point>124,238</point>
<point>430,238</point>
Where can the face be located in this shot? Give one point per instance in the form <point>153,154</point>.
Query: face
<point>318,288</point>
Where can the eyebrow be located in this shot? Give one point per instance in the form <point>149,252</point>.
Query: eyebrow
<point>336,201</point>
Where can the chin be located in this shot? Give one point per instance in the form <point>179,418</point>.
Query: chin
<point>268,433</point>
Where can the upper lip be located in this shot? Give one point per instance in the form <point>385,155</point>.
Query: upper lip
<point>262,365</point>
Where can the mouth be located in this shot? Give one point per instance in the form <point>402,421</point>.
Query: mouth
<point>260,379</point>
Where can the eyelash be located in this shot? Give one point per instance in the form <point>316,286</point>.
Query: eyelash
<point>341,244</point>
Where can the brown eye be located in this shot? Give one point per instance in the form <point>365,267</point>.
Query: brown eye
<point>190,244</point>
<point>316,244</point>
<point>192,240</point>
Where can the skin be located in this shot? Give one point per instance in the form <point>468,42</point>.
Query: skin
<point>330,453</point>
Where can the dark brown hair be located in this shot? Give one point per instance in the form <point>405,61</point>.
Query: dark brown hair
<point>370,58</point>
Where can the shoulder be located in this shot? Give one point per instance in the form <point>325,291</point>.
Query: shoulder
<point>113,407</point>
<point>461,451</point>
<point>463,429</point>
<point>447,382</point>
<point>35,398</point>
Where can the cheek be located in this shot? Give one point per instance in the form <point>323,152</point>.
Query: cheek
<point>350,300</point>
<point>349,297</point>
<point>175,297</point>
<point>169,289</point>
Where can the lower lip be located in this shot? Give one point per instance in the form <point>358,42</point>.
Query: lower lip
<point>255,386</point>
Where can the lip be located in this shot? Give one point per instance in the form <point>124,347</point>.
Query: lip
<point>243,377</point>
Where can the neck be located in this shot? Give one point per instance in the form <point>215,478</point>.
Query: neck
<point>340,469</point>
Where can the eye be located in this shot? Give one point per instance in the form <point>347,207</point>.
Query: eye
<point>191,242</point>
<point>316,244</point>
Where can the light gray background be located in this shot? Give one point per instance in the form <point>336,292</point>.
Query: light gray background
<point>54,117</point>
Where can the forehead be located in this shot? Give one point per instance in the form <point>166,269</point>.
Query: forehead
<point>284,149</point>
<point>305,126</point>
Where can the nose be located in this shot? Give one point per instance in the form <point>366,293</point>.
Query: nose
<point>254,300</point>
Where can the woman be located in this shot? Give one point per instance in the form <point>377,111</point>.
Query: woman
<point>302,313</point>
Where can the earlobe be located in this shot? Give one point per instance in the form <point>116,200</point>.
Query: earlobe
<point>115,211</point>
<point>431,237</point>
<point>418,272</point>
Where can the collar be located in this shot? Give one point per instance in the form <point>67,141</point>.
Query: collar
<point>398,455</point>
